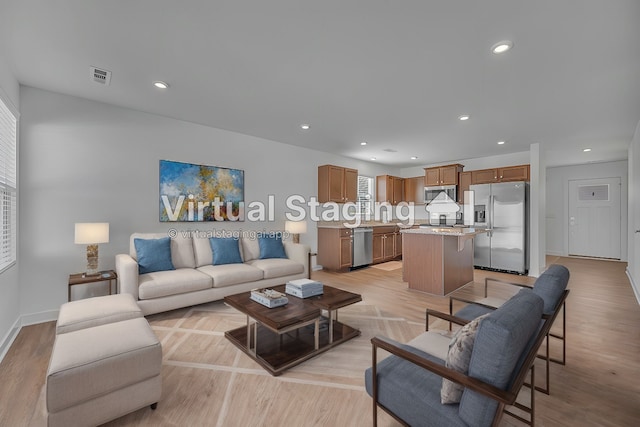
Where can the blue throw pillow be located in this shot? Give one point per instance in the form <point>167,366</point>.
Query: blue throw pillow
<point>153,255</point>
<point>271,247</point>
<point>225,250</point>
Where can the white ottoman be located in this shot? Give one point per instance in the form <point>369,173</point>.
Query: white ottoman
<point>100,373</point>
<point>90,312</point>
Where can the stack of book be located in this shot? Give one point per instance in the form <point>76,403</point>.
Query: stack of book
<point>269,297</point>
<point>304,288</point>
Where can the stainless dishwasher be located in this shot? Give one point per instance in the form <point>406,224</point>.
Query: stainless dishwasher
<point>362,246</point>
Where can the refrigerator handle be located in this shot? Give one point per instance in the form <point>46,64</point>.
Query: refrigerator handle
<point>490,216</point>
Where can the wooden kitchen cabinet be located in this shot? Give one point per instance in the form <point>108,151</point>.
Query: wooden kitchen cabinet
<point>464,181</point>
<point>337,184</point>
<point>334,248</point>
<point>505,174</point>
<point>514,173</point>
<point>385,247</point>
<point>378,248</point>
<point>414,189</point>
<point>389,189</point>
<point>442,175</point>
<point>397,244</point>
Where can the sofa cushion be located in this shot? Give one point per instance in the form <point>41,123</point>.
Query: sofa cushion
<point>277,267</point>
<point>458,358</point>
<point>153,255</point>
<point>231,274</point>
<point>271,247</point>
<point>181,248</point>
<point>551,285</point>
<point>413,393</point>
<point>250,249</point>
<point>163,283</point>
<point>225,250</point>
<point>90,312</point>
<point>93,362</point>
<point>501,338</point>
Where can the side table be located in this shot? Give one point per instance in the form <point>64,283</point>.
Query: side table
<point>83,279</point>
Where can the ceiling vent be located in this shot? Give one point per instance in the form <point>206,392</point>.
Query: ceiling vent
<point>100,76</point>
<point>390,150</point>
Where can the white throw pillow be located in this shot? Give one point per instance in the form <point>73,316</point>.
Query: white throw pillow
<point>458,358</point>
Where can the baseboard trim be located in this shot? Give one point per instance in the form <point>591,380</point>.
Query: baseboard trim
<point>41,317</point>
<point>25,320</point>
<point>5,345</point>
<point>634,286</point>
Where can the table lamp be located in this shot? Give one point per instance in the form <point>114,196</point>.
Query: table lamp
<point>90,234</point>
<point>295,228</point>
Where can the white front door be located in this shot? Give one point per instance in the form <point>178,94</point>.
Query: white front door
<point>594,217</point>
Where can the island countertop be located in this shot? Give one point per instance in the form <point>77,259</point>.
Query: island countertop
<point>445,231</point>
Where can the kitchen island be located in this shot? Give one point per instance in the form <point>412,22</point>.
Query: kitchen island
<point>438,260</point>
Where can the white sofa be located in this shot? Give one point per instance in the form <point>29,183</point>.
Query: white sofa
<point>195,280</point>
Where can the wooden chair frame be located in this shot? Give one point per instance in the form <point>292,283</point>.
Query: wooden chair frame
<point>561,305</point>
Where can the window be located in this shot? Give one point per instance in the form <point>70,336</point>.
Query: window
<point>8,186</point>
<point>365,195</point>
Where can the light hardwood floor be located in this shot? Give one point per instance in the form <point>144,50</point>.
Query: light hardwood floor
<point>599,386</point>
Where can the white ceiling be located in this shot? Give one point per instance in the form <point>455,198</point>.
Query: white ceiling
<point>396,74</point>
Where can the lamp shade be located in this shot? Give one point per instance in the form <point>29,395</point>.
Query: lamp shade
<point>295,227</point>
<point>91,233</point>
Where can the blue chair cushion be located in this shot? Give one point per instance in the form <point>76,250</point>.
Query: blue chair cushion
<point>500,341</point>
<point>551,285</point>
<point>271,247</point>
<point>472,311</point>
<point>226,250</point>
<point>413,393</point>
<point>153,255</point>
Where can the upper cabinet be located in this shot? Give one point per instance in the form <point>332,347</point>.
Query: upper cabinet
<point>337,184</point>
<point>442,175</point>
<point>389,189</point>
<point>464,181</point>
<point>506,174</point>
<point>414,189</point>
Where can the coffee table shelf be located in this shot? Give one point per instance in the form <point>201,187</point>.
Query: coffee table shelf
<point>283,337</point>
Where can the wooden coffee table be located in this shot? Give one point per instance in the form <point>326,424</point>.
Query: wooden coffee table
<point>282,337</point>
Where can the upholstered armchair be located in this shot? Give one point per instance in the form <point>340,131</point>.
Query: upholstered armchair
<point>408,384</point>
<point>550,286</point>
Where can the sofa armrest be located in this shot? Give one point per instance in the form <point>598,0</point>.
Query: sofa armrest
<point>127,270</point>
<point>299,253</point>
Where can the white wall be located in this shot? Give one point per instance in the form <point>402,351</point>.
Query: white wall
<point>9,289</point>
<point>537,203</point>
<point>83,161</point>
<point>557,213</point>
<point>633,268</point>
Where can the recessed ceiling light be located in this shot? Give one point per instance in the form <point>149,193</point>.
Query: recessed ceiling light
<point>161,85</point>
<point>586,150</point>
<point>464,117</point>
<point>414,157</point>
<point>363,143</point>
<point>373,158</point>
<point>500,142</point>
<point>502,47</point>
<point>305,127</point>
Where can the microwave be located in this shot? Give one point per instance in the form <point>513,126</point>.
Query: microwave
<point>430,193</point>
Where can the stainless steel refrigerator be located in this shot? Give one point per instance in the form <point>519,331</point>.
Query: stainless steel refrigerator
<point>503,210</point>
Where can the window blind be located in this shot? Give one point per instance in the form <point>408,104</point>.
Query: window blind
<point>8,186</point>
<point>365,194</point>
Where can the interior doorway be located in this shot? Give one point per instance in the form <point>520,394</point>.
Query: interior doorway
<point>594,218</point>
